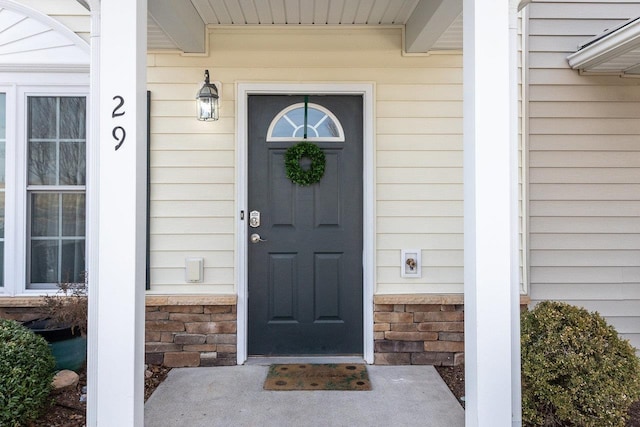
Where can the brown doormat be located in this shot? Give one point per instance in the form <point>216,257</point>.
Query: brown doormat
<point>343,376</point>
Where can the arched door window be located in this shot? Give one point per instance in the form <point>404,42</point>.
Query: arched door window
<point>288,124</point>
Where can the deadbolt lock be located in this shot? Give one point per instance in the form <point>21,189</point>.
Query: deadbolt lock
<point>254,219</point>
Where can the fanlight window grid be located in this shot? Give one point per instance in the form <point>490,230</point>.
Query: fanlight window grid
<point>322,124</point>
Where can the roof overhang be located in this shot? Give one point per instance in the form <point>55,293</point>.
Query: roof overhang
<point>181,25</point>
<point>616,51</point>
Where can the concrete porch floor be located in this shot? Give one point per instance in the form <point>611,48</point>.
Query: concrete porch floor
<point>233,396</point>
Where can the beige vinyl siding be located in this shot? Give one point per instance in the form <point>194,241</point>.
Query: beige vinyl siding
<point>584,168</point>
<point>418,140</point>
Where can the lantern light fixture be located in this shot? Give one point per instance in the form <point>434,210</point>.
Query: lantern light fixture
<point>208,100</point>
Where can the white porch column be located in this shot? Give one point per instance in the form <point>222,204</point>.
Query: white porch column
<point>116,328</point>
<point>516,384</point>
<point>487,208</point>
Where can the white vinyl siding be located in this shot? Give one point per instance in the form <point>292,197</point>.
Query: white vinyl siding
<point>418,123</point>
<point>584,168</point>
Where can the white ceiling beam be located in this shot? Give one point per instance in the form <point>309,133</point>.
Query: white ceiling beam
<point>429,20</point>
<point>181,22</point>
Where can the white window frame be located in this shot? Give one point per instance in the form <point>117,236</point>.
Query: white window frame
<point>16,155</point>
<point>9,191</point>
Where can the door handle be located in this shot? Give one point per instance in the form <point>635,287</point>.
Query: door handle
<point>255,238</point>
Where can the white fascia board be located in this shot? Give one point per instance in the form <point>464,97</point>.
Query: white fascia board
<point>608,47</point>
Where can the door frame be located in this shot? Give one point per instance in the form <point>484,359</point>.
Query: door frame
<point>243,90</point>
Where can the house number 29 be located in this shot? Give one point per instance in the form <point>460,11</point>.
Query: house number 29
<point>118,132</point>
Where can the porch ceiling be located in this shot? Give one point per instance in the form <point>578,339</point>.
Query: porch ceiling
<point>616,51</point>
<point>429,24</point>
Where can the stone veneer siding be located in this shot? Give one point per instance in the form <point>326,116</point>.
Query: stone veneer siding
<point>418,330</point>
<point>184,331</point>
<point>191,331</point>
<point>180,331</point>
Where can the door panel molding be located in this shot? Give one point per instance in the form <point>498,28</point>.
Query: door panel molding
<point>243,90</point>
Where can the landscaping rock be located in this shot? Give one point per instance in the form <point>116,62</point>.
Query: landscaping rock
<point>65,378</point>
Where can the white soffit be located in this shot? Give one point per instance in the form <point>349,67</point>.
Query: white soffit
<point>615,52</point>
<point>31,40</point>
<point>437,26</point>
<point>306,12</point>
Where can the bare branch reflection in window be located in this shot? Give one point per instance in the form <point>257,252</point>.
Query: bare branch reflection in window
<point>56,179</point>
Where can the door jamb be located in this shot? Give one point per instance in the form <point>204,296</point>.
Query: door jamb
<point>243,90</point>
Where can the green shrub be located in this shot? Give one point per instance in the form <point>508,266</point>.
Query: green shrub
<point>576,371</point>
<point>26,372</point>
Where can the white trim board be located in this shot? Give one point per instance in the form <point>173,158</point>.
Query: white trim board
<point>243,90</point>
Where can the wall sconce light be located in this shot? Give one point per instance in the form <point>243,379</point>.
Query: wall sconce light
<point>208,100</point>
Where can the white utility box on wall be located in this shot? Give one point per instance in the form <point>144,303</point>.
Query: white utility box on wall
<point>194,270</point>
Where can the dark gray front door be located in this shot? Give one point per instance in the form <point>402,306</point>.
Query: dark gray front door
<point>305,277</point>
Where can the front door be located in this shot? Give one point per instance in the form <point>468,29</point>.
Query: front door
<point>305,272</point>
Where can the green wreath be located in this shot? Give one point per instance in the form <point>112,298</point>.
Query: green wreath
<point>295,172</point>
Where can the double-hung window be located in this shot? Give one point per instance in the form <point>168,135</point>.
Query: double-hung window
<point>56,192</point>
<point>43,179</point>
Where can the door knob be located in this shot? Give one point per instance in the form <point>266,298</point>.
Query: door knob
<point>255,238</point>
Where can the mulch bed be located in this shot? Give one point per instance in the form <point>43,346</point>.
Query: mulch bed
<point>453,376</point>
<point>68,411</point>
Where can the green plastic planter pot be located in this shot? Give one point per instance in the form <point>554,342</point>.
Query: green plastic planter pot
<point>69,350</point>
